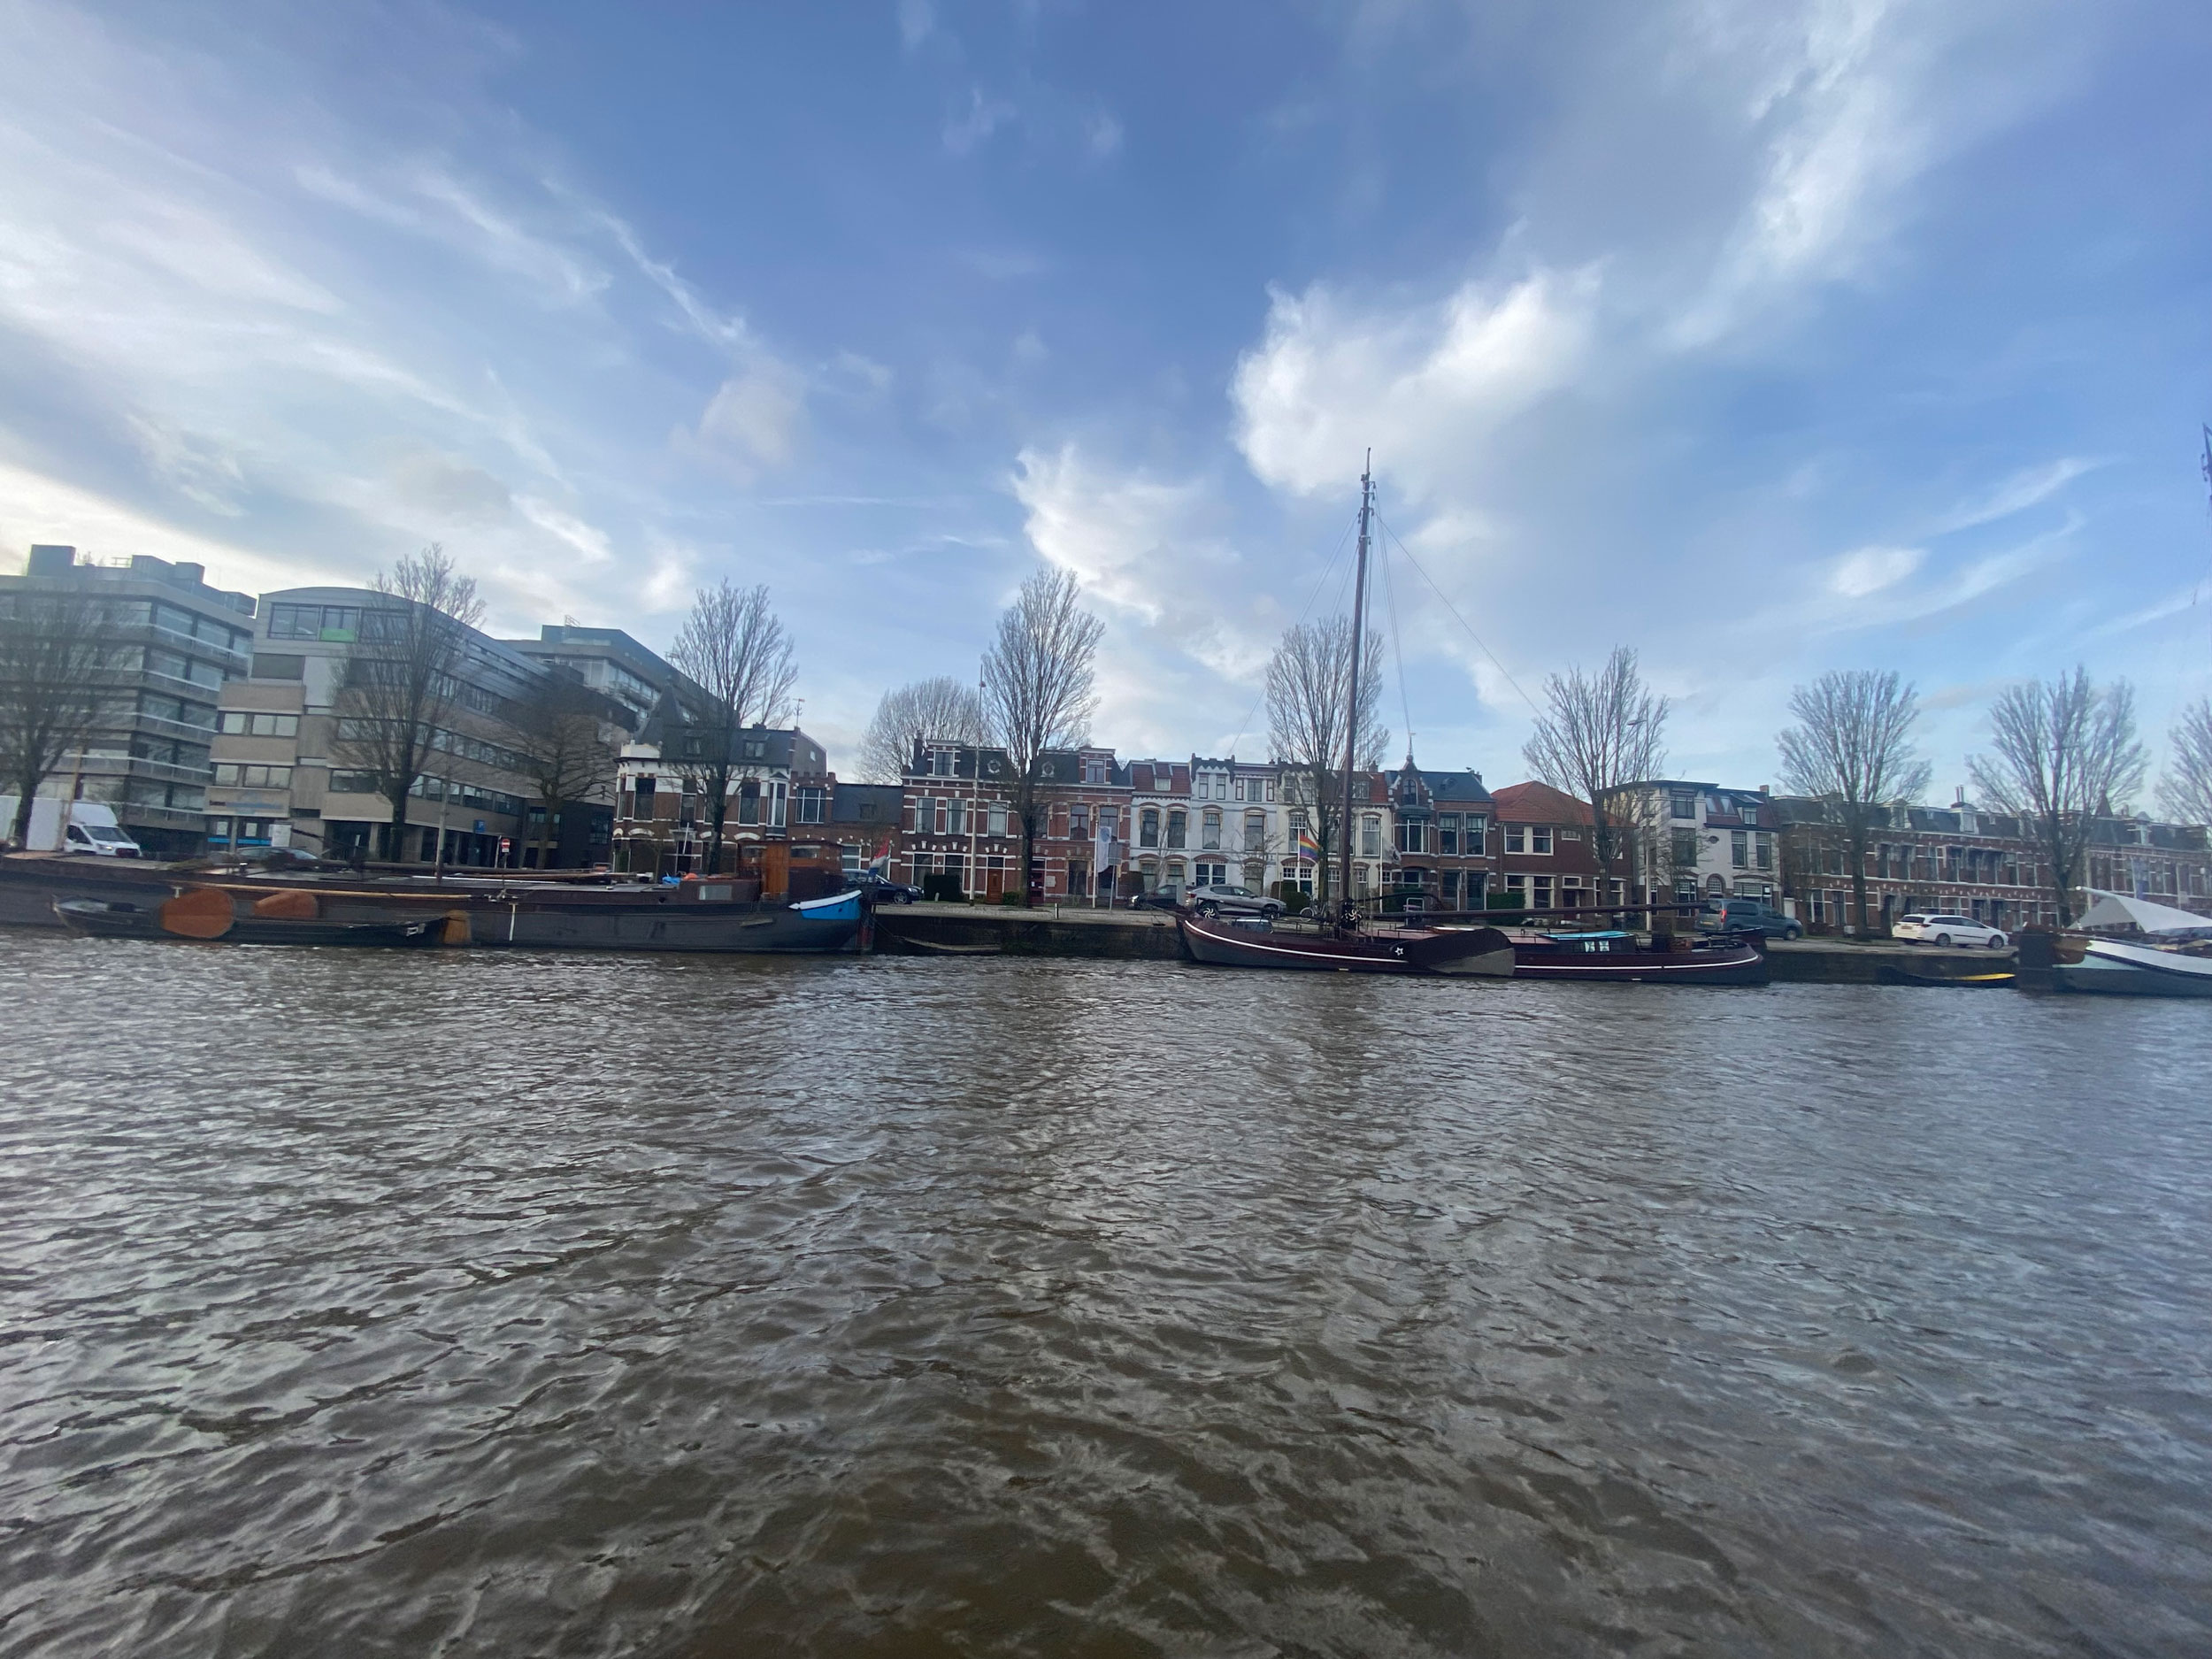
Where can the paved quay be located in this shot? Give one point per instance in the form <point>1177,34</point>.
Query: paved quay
<point>1048,931</point>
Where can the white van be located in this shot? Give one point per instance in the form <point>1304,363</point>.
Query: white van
<point>92,829</point>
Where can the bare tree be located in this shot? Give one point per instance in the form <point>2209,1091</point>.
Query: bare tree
<point>735,648</point>
<point>2062,755</point>
<point>561,732</point>
<point>1852,747</point>
<point>1308,683</point>
<point>941,708</point>
<point>56,669</point>
<point>1039,685</point>
<point>402,678</point>
<point>2186,790</point>
<point>1600,737</point>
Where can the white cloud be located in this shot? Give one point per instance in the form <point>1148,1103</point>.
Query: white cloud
<point>753,420</point>
<point>2024,489</point>
<point>1872,569</point>
<point>1103,134</point>
<point>972,125</point>
<point>917,19</point>
<point>1421,385</point>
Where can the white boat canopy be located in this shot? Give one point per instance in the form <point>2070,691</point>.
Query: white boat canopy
<point>2118,909</point>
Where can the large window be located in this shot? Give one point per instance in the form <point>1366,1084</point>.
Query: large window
<point>1682,803</point>
<point>239,723</point>
<point>341,623</point>
<point>1412,836</point>
<point>811,803</point>
<point>1447,835</point>
<point>1371,837</point>
<point>1149,827</point>
<point>253,777</point>
<point>1539,837</point>
<point>1739,848</point>
<point>1516,838</point>
<point>1175,826</point>
<point>1254,832</point>
<point>1209,829</point>
<point>1207,873</point>
<point>997,820</point>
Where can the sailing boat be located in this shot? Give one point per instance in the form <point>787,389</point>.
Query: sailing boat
<point>1346,943</point>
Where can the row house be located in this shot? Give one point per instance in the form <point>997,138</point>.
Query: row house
<point>1440,833</point>
<point>960,825</point>
<point>1693,841</point>
<point>778,786</point>
<point>1965,862</point>
<point>1546,859</point>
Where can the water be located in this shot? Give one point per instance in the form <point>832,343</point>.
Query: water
<point>368,1303</point>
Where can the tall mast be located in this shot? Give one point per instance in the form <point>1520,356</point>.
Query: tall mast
<point>1359,639</point>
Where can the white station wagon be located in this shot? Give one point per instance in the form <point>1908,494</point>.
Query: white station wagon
<point>1937,929</point>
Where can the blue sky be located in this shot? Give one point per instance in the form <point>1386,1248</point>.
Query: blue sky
<point>1764,337</point>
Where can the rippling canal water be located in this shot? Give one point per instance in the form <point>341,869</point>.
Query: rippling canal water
<point>372,1304</point>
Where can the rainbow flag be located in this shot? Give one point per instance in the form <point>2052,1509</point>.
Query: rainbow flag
<point>1308,846</point>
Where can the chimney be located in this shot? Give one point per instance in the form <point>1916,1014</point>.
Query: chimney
<point>1958,801</point>
<point>1763,789</point>
<point>48,560</point>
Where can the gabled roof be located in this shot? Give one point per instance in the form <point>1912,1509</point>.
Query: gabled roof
<point>1537,803</point>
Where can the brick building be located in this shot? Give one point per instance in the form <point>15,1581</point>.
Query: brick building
<point>1544,855</point>
<point>1440,830</point>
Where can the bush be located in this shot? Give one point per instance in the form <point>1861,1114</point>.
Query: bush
<point>1010,898</point>
<point>1505,908</point>
<point>1294,898</point>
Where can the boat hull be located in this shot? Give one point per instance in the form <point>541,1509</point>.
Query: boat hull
<point>1479,952</point>
<point>2115,968</point>
<point>1735,963</point>
<point>120,919</point>
<point>736,927</point>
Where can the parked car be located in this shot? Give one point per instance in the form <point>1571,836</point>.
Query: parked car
<point>1158,899</point>
<point>1747,915</point>
<point>1936,928</point>
<point>1218,899</point>
<point>883,890</point>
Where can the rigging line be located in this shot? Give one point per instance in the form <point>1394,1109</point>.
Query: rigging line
<point>1397,649</point>
<point>1462,621</point>
<point>1319,583</point>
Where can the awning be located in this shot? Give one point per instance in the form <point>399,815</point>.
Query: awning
<point>2118,909</point>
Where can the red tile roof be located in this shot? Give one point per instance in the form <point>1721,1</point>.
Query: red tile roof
<point>1536,804</point>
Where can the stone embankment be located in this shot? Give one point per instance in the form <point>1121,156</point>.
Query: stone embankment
<point>963,930</point>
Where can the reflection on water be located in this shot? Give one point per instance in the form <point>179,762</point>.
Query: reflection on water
<point>365,1303</point>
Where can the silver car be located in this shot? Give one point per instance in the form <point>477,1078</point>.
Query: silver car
<point>1219,900</point>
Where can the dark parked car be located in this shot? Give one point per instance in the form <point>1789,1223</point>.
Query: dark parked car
<point>1747,915</point>
<point>1221,899</point>
<point>882,890</point>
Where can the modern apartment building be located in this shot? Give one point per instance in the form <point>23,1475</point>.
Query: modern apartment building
<point>175,643</point>
<point>282,777</point>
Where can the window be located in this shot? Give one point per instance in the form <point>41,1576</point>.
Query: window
<point>1271,789</point>
<point>340,623</point>
<point>1149,827</point>
<point>1080,820</point>
<point>811,803</point>
<point>1766,852</point>
<point>1515,838</point>
<point>1448,837</point>
<point>268,667</point>
<point>1739,851</point>
<point>1540,889</point>
<point>1477,840</point>
<point>1371,837</point>
<point>1208,874</point>
<point>1093,772</point>
<point>1539,837</point>
<point>1254,832</point>
<point>1447,889</point>
<point>239,723</point>
<point>955,818</point>
<point>253,777</point>
<point>749,801</point>
<point>1209,829</point>
<point>1686,850</point>
<point>1682,803</point>
<point>1175,826</point>
<point>1410,836</point>
<point>996,820</point>
<point>353,783</point>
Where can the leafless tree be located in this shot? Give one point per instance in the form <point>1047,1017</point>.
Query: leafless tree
<point>1308,683</point>
<point>2186,790</point>
<point>1600,736</point>
<point>941,708</point>
<point>1852,747</point>
<point>1039,686</point>
<point>561,732</point>
<point>735,648</point>
<point>57,667</point>
<point>400,682</point>
<point>2062,755</point>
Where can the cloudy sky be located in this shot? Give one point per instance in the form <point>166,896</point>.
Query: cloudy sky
<point>1765,337</point>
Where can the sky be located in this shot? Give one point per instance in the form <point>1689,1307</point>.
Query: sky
<point>1762,337</point>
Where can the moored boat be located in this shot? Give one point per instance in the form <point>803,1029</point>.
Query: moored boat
<point>187,918</point>
<point>2116,967</point>
<point>1623,958</point>
<point>1428,950</point>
